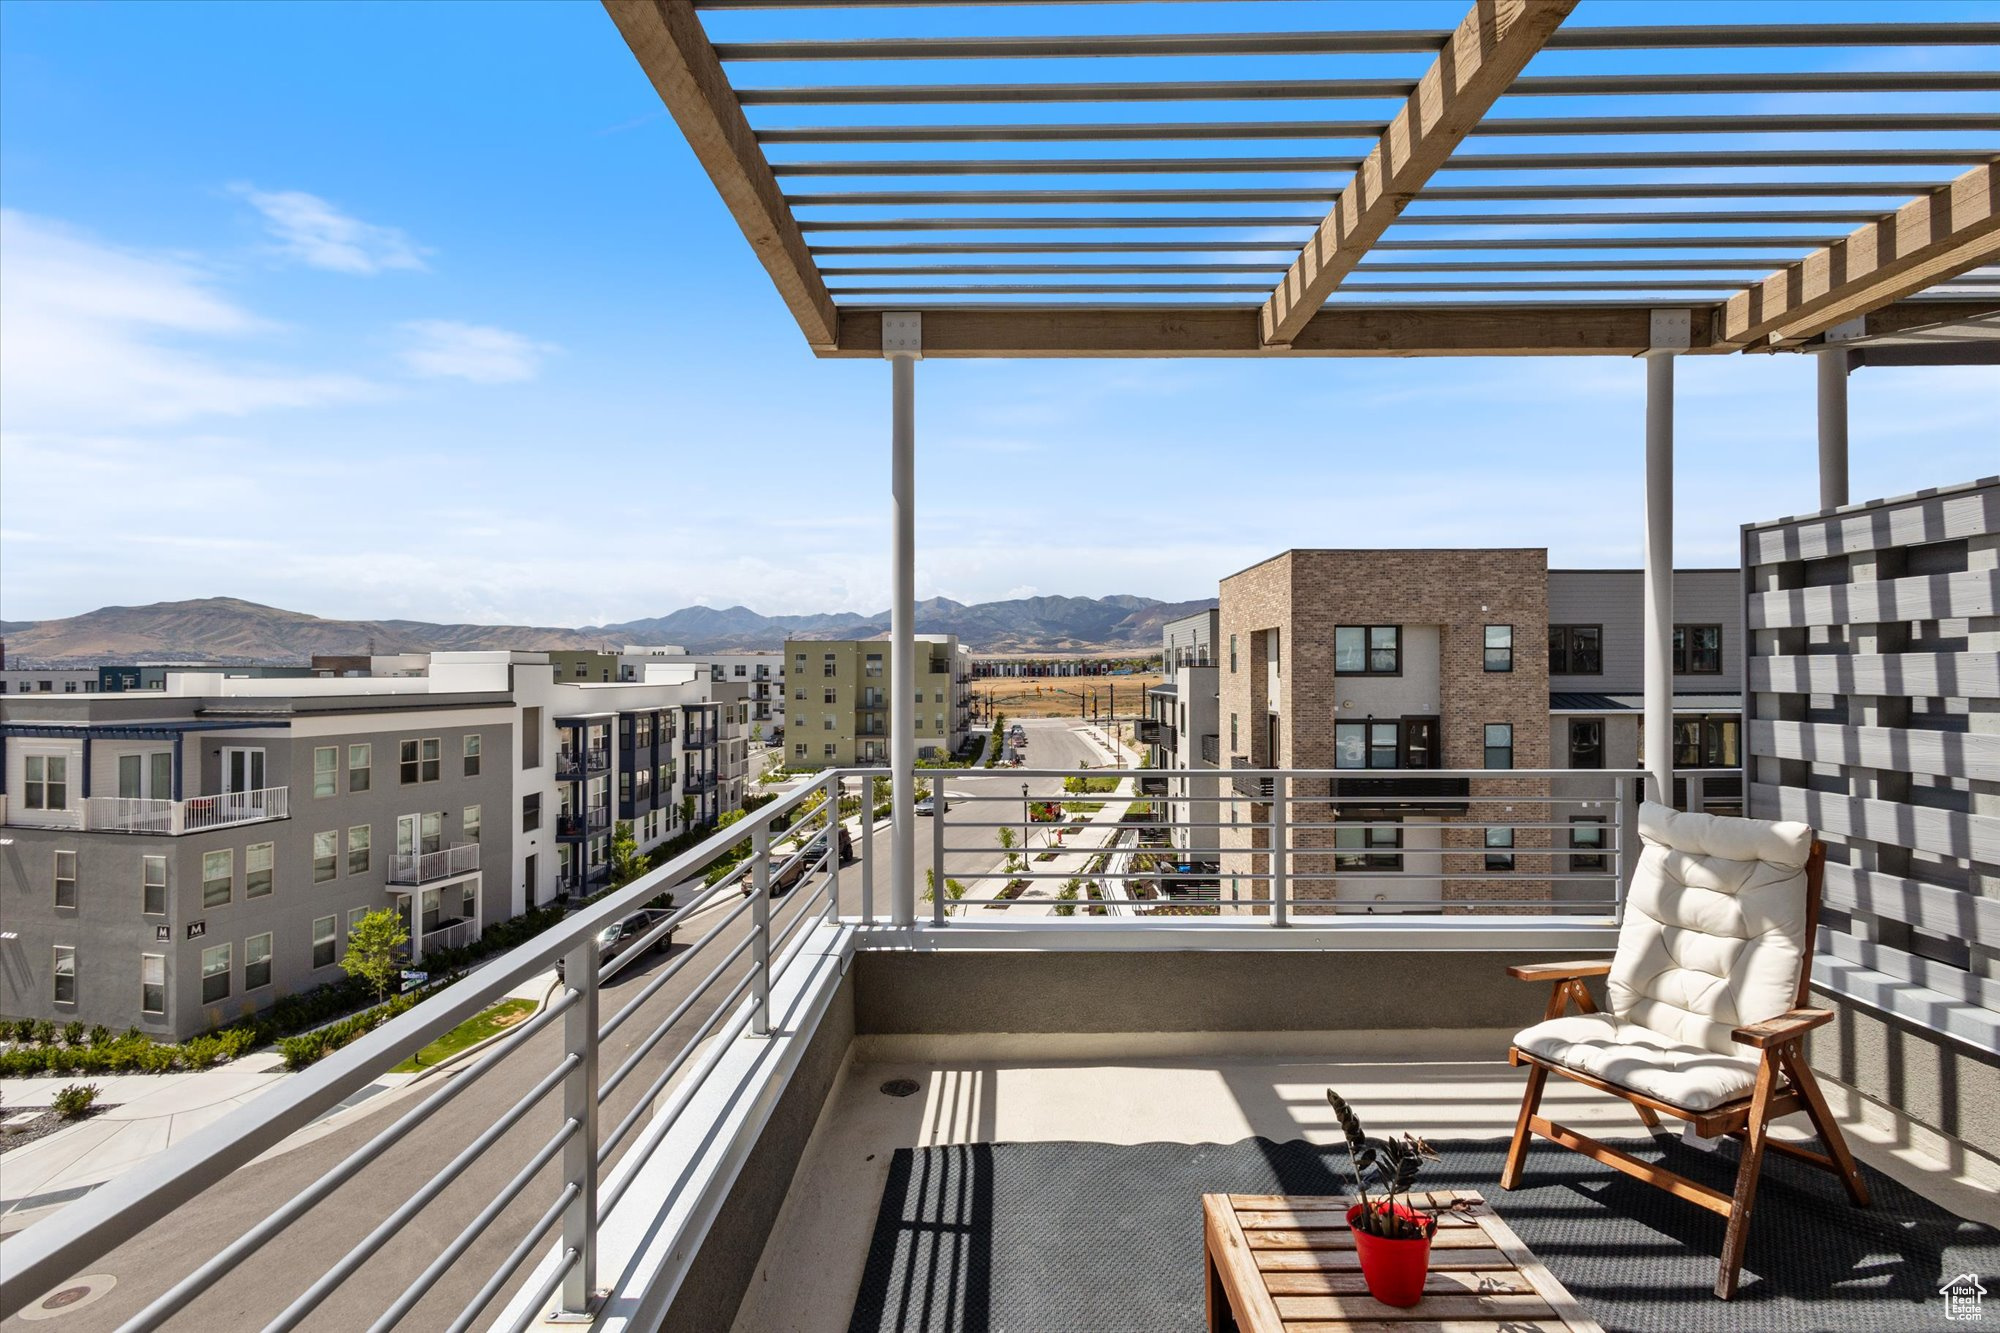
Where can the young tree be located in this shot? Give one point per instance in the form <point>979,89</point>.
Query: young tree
<point>626,862</point>
<point>375,950</point>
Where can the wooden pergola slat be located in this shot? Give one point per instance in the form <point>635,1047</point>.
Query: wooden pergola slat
<point>1929,239</point>
<point>672,48</point>
<point>1479,62</point>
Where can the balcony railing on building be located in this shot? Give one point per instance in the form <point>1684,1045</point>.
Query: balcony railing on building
<point>1211,750</point>
<point>574,764</point>
<point>429,867</point>
<point>134,814</point>
<point>577,824</point>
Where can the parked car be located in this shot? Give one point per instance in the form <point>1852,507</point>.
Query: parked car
<point>788,867</point>
<point>929,805</point>
<point>621,936</point>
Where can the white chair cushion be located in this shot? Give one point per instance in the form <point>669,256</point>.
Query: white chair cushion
<point>1638,1058</point>
<point>1715,927</point>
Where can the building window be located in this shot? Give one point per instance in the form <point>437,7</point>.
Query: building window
<point>1697,650</point>
<point>325,930</point>
<point>153,885</point>
<point>152,983</point>
<point>65,879</point>
<point>472,823</point>
<point>1586,742</point>
<point>326,770</point>
<point>1366,744</point>
<point>872,666</point>
<point>1499,849</point>
<point>218,877</point>
<point>1576,650</point>
<point>1368,650</point>
<point>46,782</point>
<point>830,692</point>
<point>419,760</point>
<point>1499,745</point>
<point>257,961</point>
<point>354,915</point>
<point>1376,846</point>
<point>257,870</point>
<point>1233,743</point>
<point>472,755</point>
<point>360,842</point>
<point>65,974</point>
<point>326,856</point>
<point>360,763</point>
<point>215,964</point>
<point>1420,743</point>
<point>1499,647</point>
<point>1232,654</point>
<point>799,750</point>
<point>829,749</point>
<point>1706,742</point>
<point>531,812</point>
<point>1586,840</point>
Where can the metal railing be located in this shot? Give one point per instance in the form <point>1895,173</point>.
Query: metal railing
<point>427,867</point>
<point>570,1104</point>
<point>135,814</point>
<point>573,764</point>
<point>567,1104</point>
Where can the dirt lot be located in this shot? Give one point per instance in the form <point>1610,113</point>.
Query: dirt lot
<point>1063,696</point>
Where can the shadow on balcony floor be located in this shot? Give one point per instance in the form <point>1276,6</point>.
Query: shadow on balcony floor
<point>1061,1235</point>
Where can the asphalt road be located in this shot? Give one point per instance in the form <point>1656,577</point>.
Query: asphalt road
<point>261,1286</point>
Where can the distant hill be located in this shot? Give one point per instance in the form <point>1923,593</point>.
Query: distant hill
<point>227,629</point>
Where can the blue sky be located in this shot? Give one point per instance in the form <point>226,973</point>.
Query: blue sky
<point>427,311</point>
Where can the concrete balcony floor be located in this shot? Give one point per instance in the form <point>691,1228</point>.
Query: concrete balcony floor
<point>1140,1088</point>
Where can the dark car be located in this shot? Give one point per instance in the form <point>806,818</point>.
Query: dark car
<point>788,867</point>
<point>621,936</point>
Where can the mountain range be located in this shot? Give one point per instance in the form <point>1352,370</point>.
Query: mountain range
<point>227,629</point>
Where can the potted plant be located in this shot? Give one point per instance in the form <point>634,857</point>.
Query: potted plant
<point>1392,1240</point>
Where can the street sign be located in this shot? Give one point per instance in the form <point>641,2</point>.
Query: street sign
<point>416,976</point>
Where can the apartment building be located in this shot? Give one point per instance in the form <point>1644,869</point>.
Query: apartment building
<point>1179,729</point>
<point>1477,659</point>
<point>760,673</point>
<point>48,680</point>
<point>174,861</point>
<point>840,711</point>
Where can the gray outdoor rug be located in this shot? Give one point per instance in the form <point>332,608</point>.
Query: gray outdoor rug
<point>1051,1237</point>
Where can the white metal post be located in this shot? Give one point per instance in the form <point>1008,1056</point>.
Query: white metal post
<point>580,1104</point>
<point>902,344</point>
<point>1281,881</point>
<point>1832,426</point>
<point>1659,724</point>
<point>868,849</point>
<point>760,927</point>
<point>834,825</point>
<point>938,881</point>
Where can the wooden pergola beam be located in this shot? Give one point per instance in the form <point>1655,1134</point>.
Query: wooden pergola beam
<point>1479,62</point>
<point>672,48</point>
<point>1601,329</point>
<point>1940,235</point>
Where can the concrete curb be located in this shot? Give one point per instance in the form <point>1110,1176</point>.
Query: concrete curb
<point>458,1057</point>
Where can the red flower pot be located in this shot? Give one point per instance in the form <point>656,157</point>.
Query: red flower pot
<point>1394,1269</point>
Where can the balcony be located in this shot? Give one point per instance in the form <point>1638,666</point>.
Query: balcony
<point>573,826</point>
<point>697,784</point>
<point>574,765</point>
<point>417,868</point>
<point>697,739</point>
<point>124,814</point>
<point>1211,750</point>
<point>724,1062</point>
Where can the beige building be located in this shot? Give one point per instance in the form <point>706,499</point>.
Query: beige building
<point>840,709</point>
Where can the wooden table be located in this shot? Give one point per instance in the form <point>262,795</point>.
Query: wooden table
<point>1286,1264</point>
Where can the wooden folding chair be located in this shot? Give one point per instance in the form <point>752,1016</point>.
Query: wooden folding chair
<point>1733,1057</point>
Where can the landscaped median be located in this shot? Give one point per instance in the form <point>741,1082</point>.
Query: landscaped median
<point>481,1026</point>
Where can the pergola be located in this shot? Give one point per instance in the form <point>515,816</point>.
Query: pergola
<point>1428,230</point>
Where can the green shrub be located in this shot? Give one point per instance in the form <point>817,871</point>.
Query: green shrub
<point>73,1033</point>
<point>24,1030</point>
<point>100,1035</point>
<point>74,1102</point>
<point>45,1032</point>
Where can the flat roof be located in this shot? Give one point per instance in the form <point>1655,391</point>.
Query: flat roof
<point>1517,184</point>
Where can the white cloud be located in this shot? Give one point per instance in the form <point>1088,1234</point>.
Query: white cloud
<point>314,232</point>
<point>476,352</point>
<point>92,335</point>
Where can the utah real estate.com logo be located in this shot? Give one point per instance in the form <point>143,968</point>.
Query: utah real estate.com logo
<point>1961,1298</point>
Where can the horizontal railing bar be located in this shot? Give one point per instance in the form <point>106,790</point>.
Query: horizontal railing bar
<point>1296,905</point>
<point>1294,90</point>
<point>176,1297</point>
<point>1370,130</point>
<point>609,1143</point>
<point>472,1230</point>
<point>1126,774</point>
<point>1205,166</point>
<point>1354,42</point>
<point>367,1247</point>
<point>673,968</point>
<point>531,1308</point>
<point>516,1257</point>
<point>657,1128</point>
<point>1329,192</point>
<point>680,1011</point>
<point>1501,875</point>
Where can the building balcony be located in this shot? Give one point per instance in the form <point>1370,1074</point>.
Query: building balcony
<point>1211,750</point>
<point>574,765</point>
<point>417,868</point>
<point>124,814</point>
<point>697,739</point>
<point>697,784</point>
<point>574,826</point>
